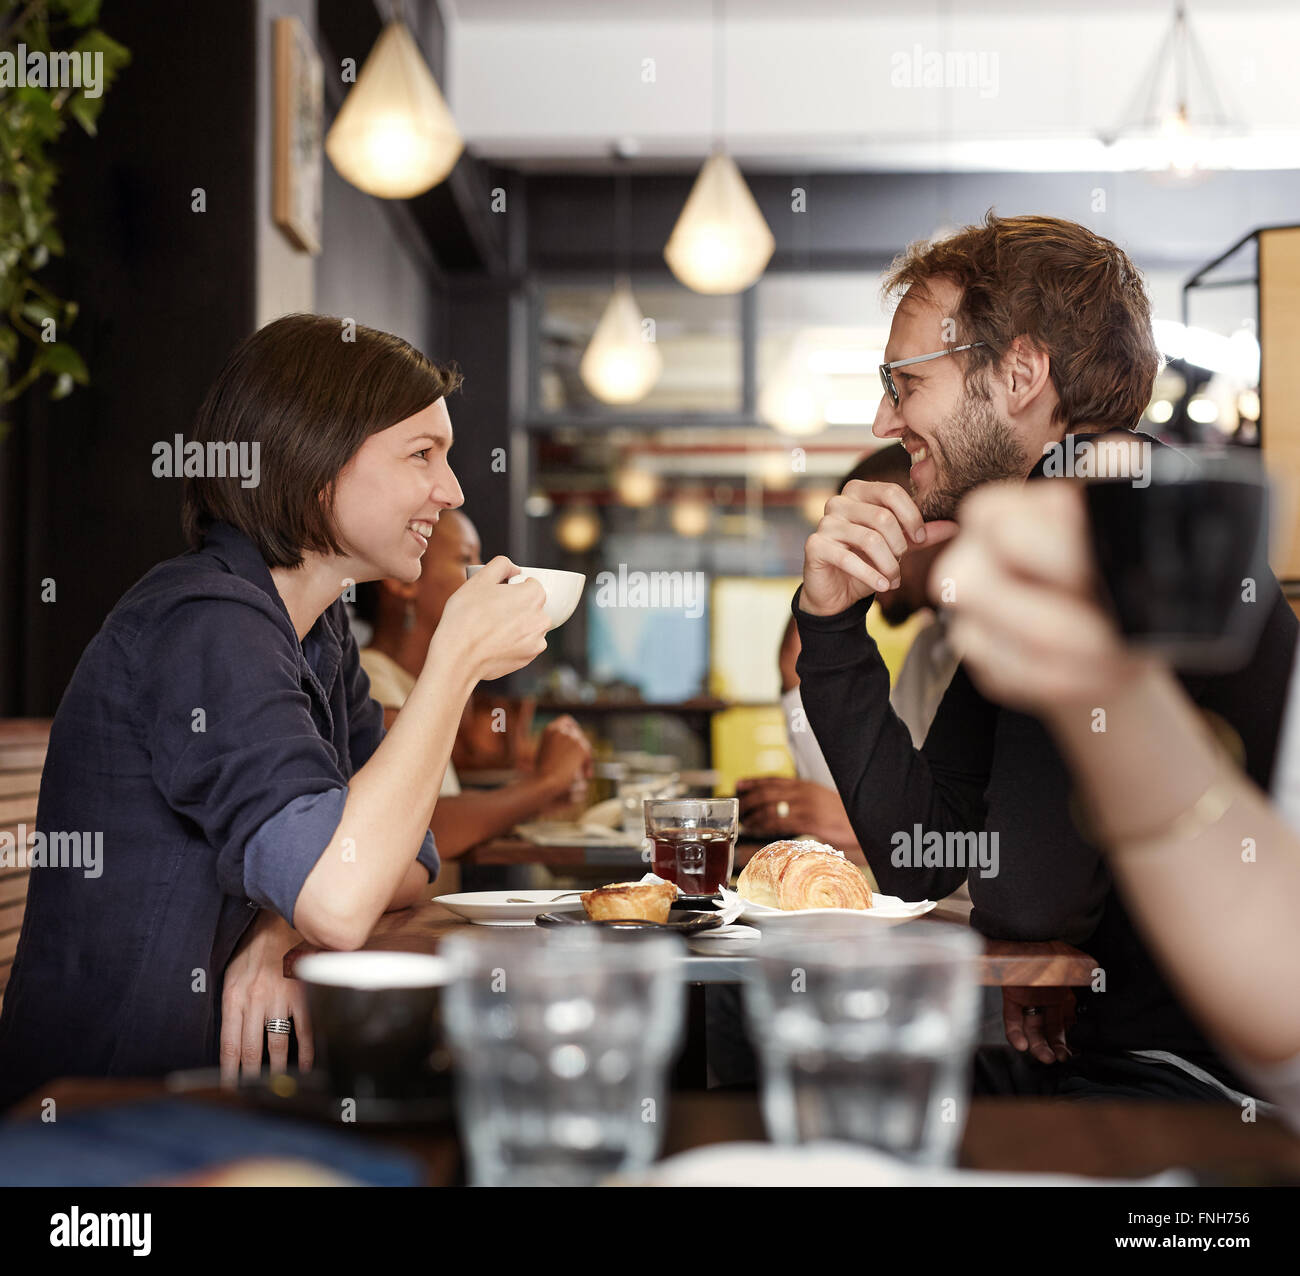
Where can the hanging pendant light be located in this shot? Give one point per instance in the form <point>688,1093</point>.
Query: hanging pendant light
<point>1177,108</point>
<point>721,243</point>
<point>619,364</point>
<point>394,136</point>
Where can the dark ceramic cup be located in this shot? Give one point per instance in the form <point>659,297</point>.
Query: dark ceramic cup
<point>377,1022</point>
<point>1183,556</point>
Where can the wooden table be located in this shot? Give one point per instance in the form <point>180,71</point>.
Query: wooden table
<point>1050,965</point>
<point>1007,963</point>
<point>1119,1139</point>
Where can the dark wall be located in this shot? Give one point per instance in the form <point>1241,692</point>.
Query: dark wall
<point>860,220</point>
<point>478,339</point>
<point>164,293</point>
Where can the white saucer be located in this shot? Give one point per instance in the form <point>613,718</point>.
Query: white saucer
<point>489,908</point>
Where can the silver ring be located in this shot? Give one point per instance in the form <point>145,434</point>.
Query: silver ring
<point>280,1025</point>
<point>1031,1010</point>
<point>783,810</point>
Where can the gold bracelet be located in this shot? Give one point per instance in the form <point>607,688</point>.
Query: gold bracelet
<point>1204,813</point>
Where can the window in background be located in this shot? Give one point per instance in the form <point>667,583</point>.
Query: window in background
<point>661,651</point>
<point>697,336</point>
<point>821,337</point>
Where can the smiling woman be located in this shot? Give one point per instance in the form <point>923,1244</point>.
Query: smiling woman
<point>219,731</point>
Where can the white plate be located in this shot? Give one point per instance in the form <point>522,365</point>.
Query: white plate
<point>885,910</point>
<point>489,908</point>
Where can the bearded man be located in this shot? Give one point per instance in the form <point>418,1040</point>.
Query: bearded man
<point>1015,341</point>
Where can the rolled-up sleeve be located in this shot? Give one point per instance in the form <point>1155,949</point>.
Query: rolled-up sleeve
<point>281,854</point>
<point>428,855</point>
<point>234,747</point>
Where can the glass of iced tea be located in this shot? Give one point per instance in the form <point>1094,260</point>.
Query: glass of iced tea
<point>694,841</point>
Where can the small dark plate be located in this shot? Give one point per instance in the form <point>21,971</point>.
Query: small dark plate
<point>684,923</point>
<point>695,903</point>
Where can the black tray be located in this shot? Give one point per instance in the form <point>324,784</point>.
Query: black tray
<point>682,921</point>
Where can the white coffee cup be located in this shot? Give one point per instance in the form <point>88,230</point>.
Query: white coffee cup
<point>563,589</point>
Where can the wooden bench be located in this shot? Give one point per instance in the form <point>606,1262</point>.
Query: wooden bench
<point>23,742</point>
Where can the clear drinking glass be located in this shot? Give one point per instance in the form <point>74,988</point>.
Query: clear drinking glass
<point>561,1042</point>
<point>693,841</point>
<point>865,1034</point>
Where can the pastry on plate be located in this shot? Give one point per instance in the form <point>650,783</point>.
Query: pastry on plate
<point>803,874</point>
<point>630,901</point>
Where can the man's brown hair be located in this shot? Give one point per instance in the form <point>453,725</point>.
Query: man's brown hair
<point>309,399</point>
<point>1075,295</point>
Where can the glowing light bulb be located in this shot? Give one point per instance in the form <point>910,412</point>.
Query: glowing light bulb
<point>394,136</point>
<point>721,243</point>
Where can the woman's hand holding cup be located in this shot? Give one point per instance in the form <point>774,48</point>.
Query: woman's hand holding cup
<point>497,630</point>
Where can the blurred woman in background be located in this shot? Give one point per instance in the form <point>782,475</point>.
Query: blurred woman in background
<point>404,616</point>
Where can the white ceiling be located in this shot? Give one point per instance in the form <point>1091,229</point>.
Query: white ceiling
<point>766,10</point>
<point>558,84</point>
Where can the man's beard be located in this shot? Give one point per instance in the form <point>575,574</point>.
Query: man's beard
<point>976,446</point>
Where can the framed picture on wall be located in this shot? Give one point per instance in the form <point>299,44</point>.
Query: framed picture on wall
<point>297,152</point>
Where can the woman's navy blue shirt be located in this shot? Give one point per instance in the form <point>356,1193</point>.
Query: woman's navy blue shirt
<point>212,752</point>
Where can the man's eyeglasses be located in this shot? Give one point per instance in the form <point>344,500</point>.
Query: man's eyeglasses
<point>887,369</point>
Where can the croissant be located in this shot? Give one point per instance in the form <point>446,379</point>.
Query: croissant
<point>813,879</point>
<point>803,874</point>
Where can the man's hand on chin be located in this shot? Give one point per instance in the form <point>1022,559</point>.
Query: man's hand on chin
<point>856,549</point>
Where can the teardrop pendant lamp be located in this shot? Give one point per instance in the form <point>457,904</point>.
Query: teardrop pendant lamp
<point>394,136</point>
<point>619,364</point>
<point>721,243</point>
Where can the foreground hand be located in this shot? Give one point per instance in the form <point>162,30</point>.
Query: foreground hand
<point>777,806</point>
<point>1020,591</point>
<point>254,990</point>
<point>856,548</point>
<point>1042,1034</point>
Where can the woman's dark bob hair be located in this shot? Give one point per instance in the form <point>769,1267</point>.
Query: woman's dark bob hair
<point>308,390</point>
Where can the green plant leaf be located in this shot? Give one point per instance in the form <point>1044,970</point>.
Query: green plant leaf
<point>116,56</point>
<point>31,121</point>
<point>38,311</point>
<point>85,110</point>
<point>81,13</point>
<point>61,358</point>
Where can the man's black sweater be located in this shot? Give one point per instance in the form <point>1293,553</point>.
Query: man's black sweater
<point>985,768</point>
